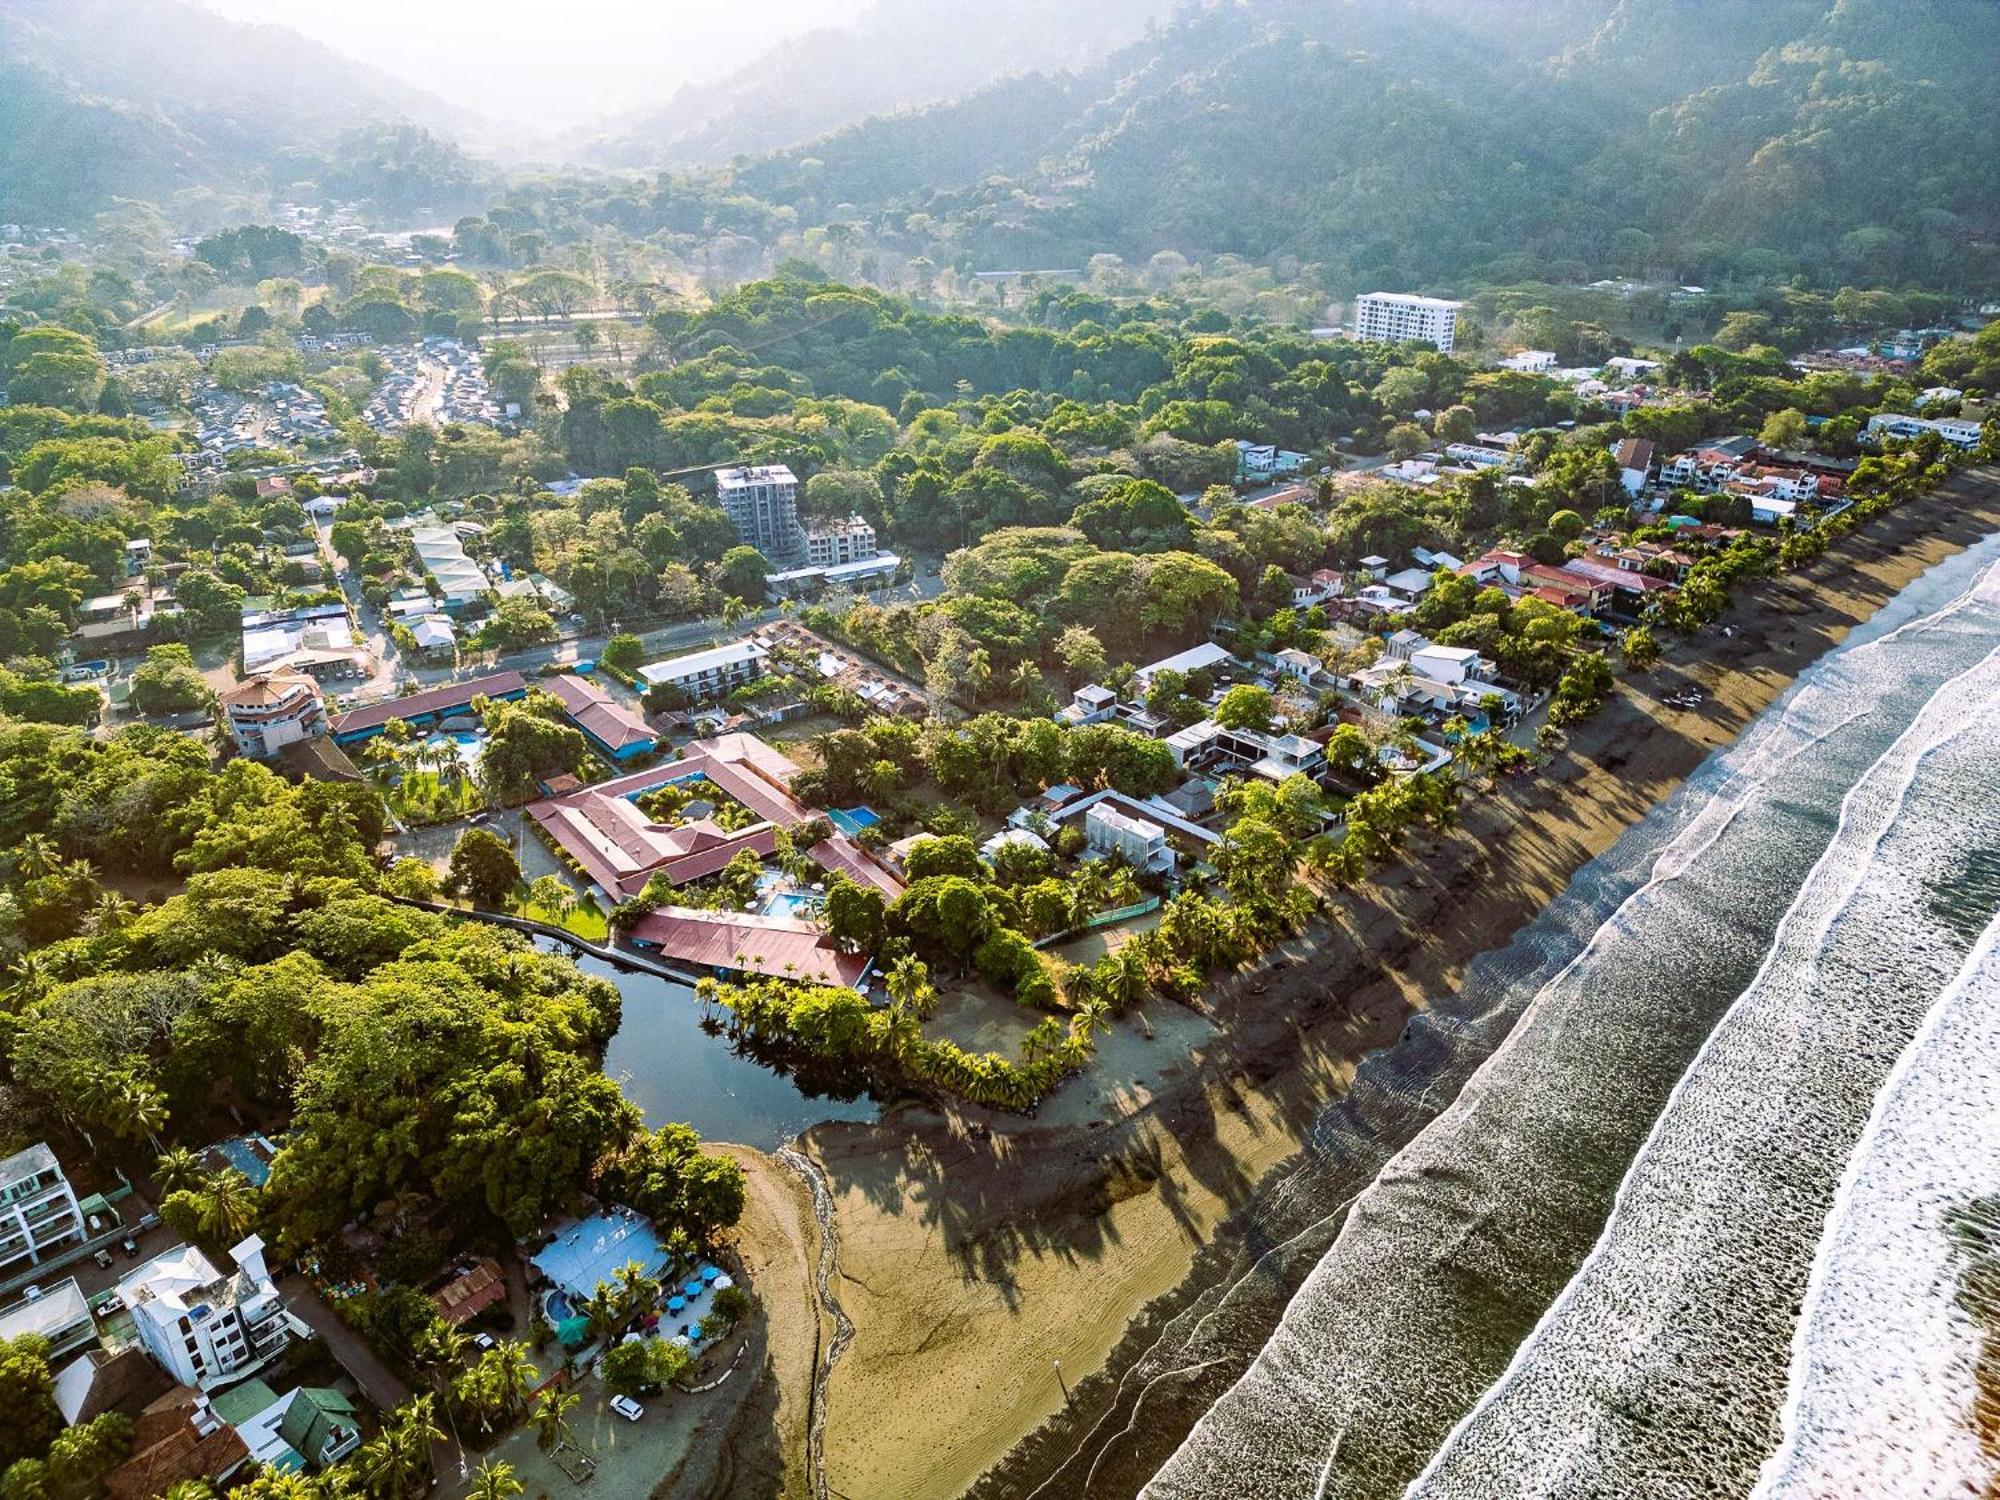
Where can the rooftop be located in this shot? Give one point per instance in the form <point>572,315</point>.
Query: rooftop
<point>58,1307</point>
<point>438,700</point>
<point>588,1252</point>
<point>698,663</point>
<point>598,714</point>
<point>32,1162</point>
<point>747,944</point>
<point>736,479</point>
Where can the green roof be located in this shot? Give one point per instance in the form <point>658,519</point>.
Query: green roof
<point>310,1419</point>
<point>240,1403</point>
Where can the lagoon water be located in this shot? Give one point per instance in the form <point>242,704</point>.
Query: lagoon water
<point>674,1068</point>
<point>1585,1276</point>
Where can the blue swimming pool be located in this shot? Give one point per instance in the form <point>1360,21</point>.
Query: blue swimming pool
<point>791,904</point>
<point>851,820</point>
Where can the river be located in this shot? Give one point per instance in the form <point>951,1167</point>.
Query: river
<point>1744,1033</point>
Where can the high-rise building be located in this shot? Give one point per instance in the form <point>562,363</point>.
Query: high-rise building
<point>1398,318</point>
<point>763,505</point>
<point>38,1208</point>
<point>839,542</point>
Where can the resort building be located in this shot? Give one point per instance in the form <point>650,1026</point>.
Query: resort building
<point>205,1327</point>
<point>1207,657</point>
<point>702,675</point>
<point>763,505</point>
<point>469,1292</point>
<point>38,1209</point>
<point>1139,842</point>
<point>840,542</point>
<point>273,710</point>
<point>731,942</point>
<point>177,1439</point>
<point>615,730</point>
<point>877,570</point>
<point>1272,756</point>
<point>1087,705</point>
<point>427,709</point>
<point>1398,318</point>
<point>619,848</point>
<point>60,1314</point>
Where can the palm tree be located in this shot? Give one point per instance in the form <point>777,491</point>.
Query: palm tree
<point>514,1374</point>
<point>27,976</point>
<point>231,1206</point>
<point>1091,1020</point>
<point>35,855</point>
<point>111,912</point>
<point>551,1417</point>
<point>493,1480</point>
<point>909,984</point>
<point>441,1350</point>
<point>635,1290</point>
<point>136,1108</point>
<point>178,1168</point>
<point>476,1396</point>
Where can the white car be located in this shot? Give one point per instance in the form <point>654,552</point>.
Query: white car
<point>627,1408</point>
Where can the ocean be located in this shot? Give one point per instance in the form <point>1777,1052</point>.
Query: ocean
<point>1731,1081</point>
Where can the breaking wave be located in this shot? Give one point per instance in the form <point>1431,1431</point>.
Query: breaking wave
<point>1484,1323</point>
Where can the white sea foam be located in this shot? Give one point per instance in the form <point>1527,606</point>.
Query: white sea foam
<point>1410,1315</point>
<point>1883,1364</point>
<point>1656,1371</point>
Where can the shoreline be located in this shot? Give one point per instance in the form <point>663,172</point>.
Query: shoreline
<point>976,1249</point>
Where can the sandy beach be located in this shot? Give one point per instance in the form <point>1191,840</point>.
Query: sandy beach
<point>975,1250</point>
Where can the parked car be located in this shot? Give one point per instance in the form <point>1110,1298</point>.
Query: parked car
<point>627,1408</point>
<point>482,1342</point>
<point>103,1259</point>
<point>131,1248</point>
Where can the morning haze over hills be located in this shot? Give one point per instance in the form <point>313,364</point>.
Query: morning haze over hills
<point>927,750</point>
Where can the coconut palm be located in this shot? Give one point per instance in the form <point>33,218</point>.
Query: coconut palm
<point>35,856</point>
<point>441,1349</point>
<point>634,1291</point>
<point>514,1374</point>
<point>178,1169</point>
<point>551,1417</point>
<point>909,984</point>
<point>229,1206</point>
<point>495,1480</point>
<point>1091,1020</point>
<point>109,913</point>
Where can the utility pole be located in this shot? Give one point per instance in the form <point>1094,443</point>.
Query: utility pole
<point>1060,1381</point>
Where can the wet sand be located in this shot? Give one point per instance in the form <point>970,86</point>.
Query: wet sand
<point>975,1248</point>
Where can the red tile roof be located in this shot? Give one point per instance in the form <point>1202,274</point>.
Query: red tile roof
<point>841,855</point>
<point>747,944</point>
<point>438,700</point>
<point>599,715</point>
<point>460,1301</point>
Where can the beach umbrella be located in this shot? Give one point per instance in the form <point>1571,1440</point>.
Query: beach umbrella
<point>675,1304</point>
<point>709,1273</point>
<point>693,1288</point>
<point>722,1282</point>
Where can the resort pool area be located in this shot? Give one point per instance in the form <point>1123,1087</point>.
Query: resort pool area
<point>851,820</point>
<point>464,743</point>
<point>797,904</point>
<point>557,1307</point>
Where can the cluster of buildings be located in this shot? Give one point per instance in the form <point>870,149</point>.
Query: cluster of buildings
<point>313,640</point>
<point>762,503</point>
<point>178,1343</point>
<point>607,835</point>
<point>438,381</point>
<point>280,415</point>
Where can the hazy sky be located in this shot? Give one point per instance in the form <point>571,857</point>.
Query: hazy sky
<point>557,64</point>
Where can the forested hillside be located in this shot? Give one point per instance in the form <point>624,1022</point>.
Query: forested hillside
<point>152,99</point>
<point>897,54</point>
<point>1399,140</point>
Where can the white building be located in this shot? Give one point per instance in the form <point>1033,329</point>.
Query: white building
<point>38,1208</point>
<point>1450,664</point>
<point>763,505</point>
<point>59,1313</point>
<point>1398,318</point>
<point>202,1326</point>
<point>1955,430</point>
<point>1206,657</point>
<point>840,542</point>
<point>1530,361</point>
<point>1091,704</point>
<point>1140,843</point>
<point>270,711</point>
<point>702,675</point>
<point>460,580</point>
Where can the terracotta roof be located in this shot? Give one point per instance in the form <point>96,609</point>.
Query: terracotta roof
<point>598,715</point>
<point>158,1464</point>
<point>267,690</point>
<point>439,700</point>
<point>841,855</point>
<point>461,1300</point>
<point>748,945</point>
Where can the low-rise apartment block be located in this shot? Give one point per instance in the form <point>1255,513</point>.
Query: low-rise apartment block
<point>38,1209</point>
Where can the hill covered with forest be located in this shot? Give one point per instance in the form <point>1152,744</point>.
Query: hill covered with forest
<point>1411,141</point>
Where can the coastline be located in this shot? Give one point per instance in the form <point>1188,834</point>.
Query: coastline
<point>976,1249</point>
